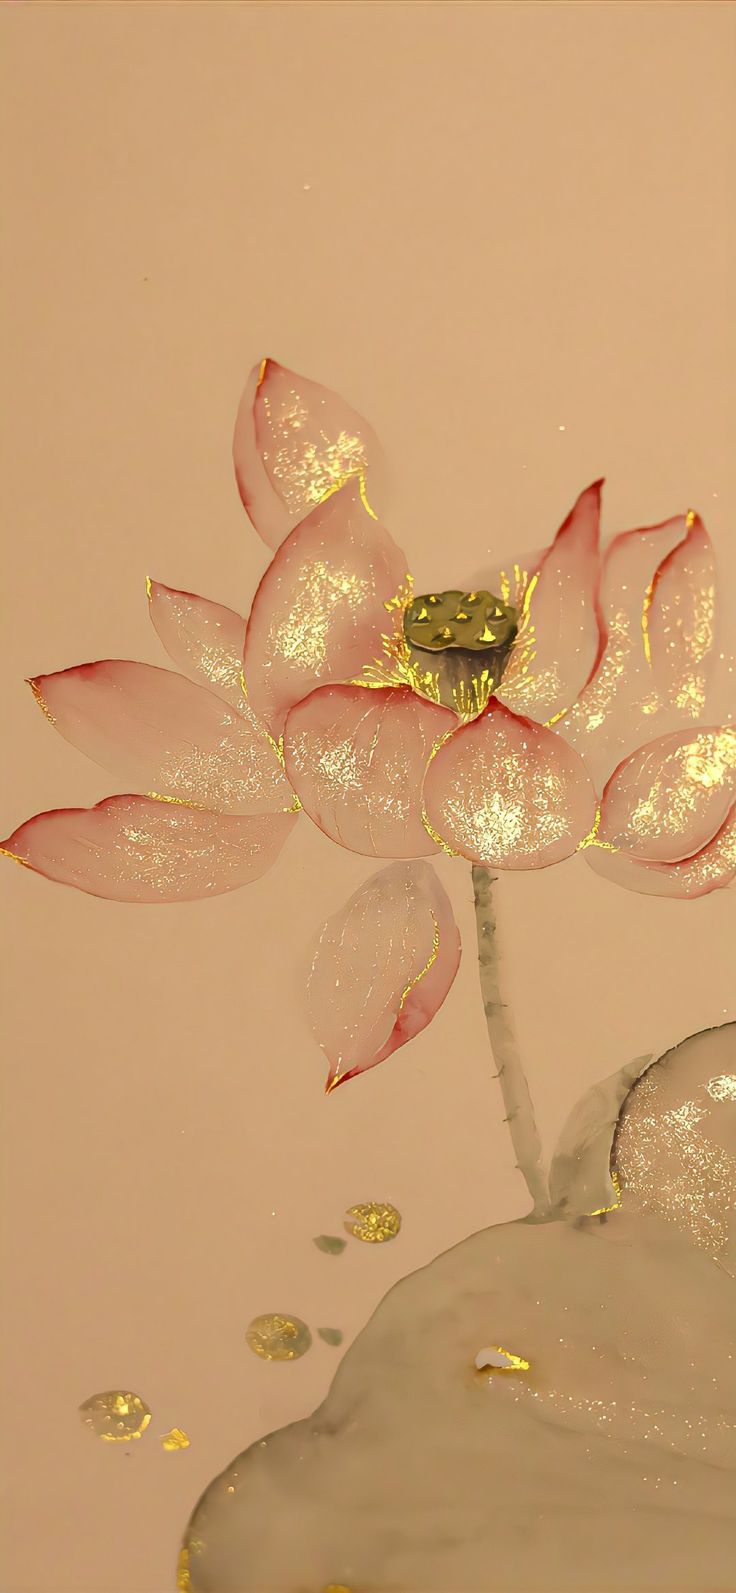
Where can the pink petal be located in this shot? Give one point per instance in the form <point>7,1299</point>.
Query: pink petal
<point>320,611</point>
<point>710,869</point>
<point>560,637</point>
<point>356,759</point>
<point>383,967</point>
<point>681,622</point>
<point>137,849</point>
<point>204,639</point>
<point>165,734</point>
<point>294,442</point>
<point>506,791</point>
<point>614,714</point>
<point>669,799</point>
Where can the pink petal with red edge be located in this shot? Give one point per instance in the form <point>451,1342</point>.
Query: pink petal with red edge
<point>135,849</point>
<point>681,622</point>
<point>669,799</point>
<point>356,759</point>
<point>164,733</point>
<point>382,968</point>
<point>709,870</point>
<point>294,442</point>
<point>204,639</point>
<point>560,637</point>
<point>320,611</point>
<point>615,712</point>
<point>506,791</point>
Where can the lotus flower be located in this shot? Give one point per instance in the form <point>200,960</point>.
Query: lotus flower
<point>558,709</point>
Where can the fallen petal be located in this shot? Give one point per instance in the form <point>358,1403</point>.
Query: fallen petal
<point>356,758</point>
<point>320,613</point>
<point>295,441</point>
<point>137,849</point>
<point>560,637</point>
<point>508,792</point>
<point>668,800</point>
<point>710,869</point>
<point>382,968</point>
<point>163,733</point>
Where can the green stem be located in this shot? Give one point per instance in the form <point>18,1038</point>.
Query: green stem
<point>514,1088</point>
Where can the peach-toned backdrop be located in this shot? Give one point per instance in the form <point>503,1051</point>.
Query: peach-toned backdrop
<point>507,234</point>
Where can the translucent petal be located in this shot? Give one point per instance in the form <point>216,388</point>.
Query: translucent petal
<point>356,759</point>
<point>382,968</point>
<point>506,791</point>
<point>204,639</point>
<point>559,639</point>
<point>167,735</point>
<point>710,869</point>
<point>635,684</point>
<point>670,798</point>
<point>294,442</point>
<point>319,614</point>
<point>137,849</point>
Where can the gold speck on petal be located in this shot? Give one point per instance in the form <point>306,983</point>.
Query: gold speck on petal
<point>494,1358</point>
<point>43,705</point>
<point>278,1338</point>
<point>175,1439</point>
<point>149,587</point>
<point>373,1222</point>
<point>14,858</point>
<point>690,519</point>
<point>600,1211</point>
<point>591,839</point>
<point>116,1416</point>
<point>646,605</point>
<point>183,1575</point>
<point>722,1088</point>
<point>432,958</point>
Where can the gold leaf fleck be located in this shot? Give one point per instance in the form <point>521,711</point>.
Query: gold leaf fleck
<point>115,1416</point>
<point>373,1222</point>
<point>278,1338</point>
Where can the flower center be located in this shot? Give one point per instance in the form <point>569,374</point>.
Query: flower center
<point>459,644</point>
<point>477,621</point>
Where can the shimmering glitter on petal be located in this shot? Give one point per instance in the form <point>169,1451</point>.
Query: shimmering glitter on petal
<point>115,1416</point>
<point>295,442</point>
<point>278,1338</point>
<point>681,621</point>
<point>204,639</point>
<point>373,1222</point>
<point>137,849</point>
<point>675,1146</point>
<point>722,1088</point>
<point>165,734</point>
<point>175,1439</point>
<point>668,800</point>
<point>615,712</point>
<point>356,760</point>
<point>559,638</point>
<point>711,869</point>
<point>319,613</point>
<point>508,792</point>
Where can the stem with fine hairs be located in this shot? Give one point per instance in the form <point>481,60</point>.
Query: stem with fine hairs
<point>514,1088</point>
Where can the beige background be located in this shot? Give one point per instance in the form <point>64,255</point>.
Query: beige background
<point>507,234</point>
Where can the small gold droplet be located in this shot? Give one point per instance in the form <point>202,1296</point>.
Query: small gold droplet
<point>278,1338</point>
<point>176,1439</point>
<point>373,1222</point>
<point>115,1416</point>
